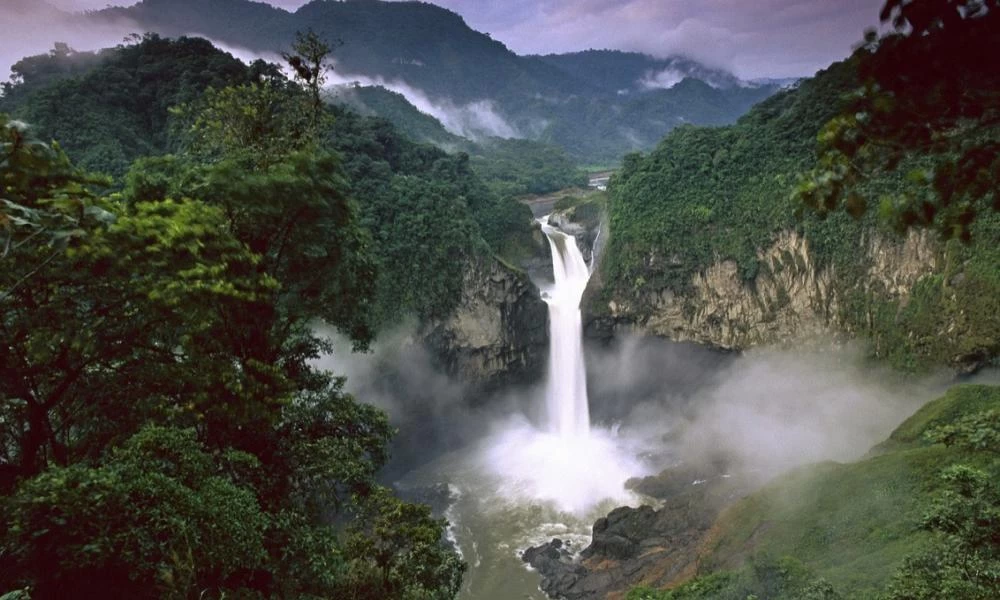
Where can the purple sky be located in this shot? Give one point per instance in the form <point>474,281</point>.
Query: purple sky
<point>752,38</point>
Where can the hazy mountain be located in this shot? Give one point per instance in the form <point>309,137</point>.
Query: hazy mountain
<point>617,71</point>
<point>421,44</point>
<point>597,104</point>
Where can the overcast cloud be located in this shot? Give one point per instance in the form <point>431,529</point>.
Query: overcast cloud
<point>751,38</point>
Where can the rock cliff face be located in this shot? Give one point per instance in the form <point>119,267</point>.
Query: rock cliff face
<point>790,301</point>
<point>498,332</point>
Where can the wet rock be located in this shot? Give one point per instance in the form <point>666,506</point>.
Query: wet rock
<point>618,536</point>
<point>640,545</point>
<point>560,572</point>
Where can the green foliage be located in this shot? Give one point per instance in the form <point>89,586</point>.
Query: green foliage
<point>333,446</point>
<point>115,110</point>
<point>945,414</point>
<point>921,93</point>
<point>162,428</point>
<point>708,195</point>
<point>396,552</point>
<point>45,202</point>
<point>427,219</point>
<point>295,214</point>
<point>856,525</point>
<point>309,59</point>
<point>721,194</point>
<point>978,432</point>
<point>522,167</point>
<point>377,101</point>
<point>964,560</point>
<point>35,72</point>
<point>782,579</point>
<point>71,327</point>
<point>427,212</point>
<point>965,563</point>
<point>570,101</point>
<point>255,125</point>
<point>154,519</point>
<point>262,122</point>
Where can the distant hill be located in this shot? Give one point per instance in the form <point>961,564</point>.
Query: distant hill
<point>378,101</point>
<point>597,104</point>
<point>616,71</point>
<point>424,45</point>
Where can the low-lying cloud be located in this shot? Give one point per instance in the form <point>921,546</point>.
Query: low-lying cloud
<point>35,31</point>
<point>768,38</point>
<point>769,410</point>
<point>475,120</point>
<point>661,80</point>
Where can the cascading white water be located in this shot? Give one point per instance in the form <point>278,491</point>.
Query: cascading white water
<point>523,484</point>
<point>566,409</point>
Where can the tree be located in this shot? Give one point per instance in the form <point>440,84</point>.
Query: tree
<point>44,201</point>
<point>86,357</point>
<point>964,560</point>
<point>161,423</point>
<point>396,551</point>
<point>930,103</point>
<point>309,59</point>
<point>160,518</point>
<point>106,335</point>
<point>256,125</point>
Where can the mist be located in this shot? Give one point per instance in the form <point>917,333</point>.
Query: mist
<point>29,32</point>
<point>762,412</point>
<point>433,412</point>
<point>475,120</point>
<point>765,411</point>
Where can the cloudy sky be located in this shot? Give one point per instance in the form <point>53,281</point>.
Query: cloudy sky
<point>752,38</point>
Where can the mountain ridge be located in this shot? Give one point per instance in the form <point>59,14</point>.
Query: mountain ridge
<point>433,51</point>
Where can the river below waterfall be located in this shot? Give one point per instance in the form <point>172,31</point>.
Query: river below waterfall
<point>520,488</point>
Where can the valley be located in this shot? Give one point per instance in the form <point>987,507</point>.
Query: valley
<point>353,300</point>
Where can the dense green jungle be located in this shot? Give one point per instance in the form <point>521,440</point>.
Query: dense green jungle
<point>259,317</point>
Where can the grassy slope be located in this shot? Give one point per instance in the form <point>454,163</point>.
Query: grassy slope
<point>850,523</point>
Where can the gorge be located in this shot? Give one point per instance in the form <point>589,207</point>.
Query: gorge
<point>268,331</point>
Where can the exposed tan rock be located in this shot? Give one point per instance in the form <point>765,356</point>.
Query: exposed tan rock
<point>790,301</point>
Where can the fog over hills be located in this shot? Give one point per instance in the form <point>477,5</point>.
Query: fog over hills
<point>597,104</point>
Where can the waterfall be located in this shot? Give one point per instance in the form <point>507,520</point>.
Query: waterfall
<point>565,463</point>
<point>566,409</point>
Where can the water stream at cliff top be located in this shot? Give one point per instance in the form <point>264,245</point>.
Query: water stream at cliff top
<point>529,481</point>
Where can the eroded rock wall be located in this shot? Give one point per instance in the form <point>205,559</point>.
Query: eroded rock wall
<point>790,301</point>
<point>498,331</point>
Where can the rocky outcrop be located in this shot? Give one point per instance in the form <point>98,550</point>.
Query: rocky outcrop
<point>497,333</point>
<point>640,546</point>
<point>791,300</point>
